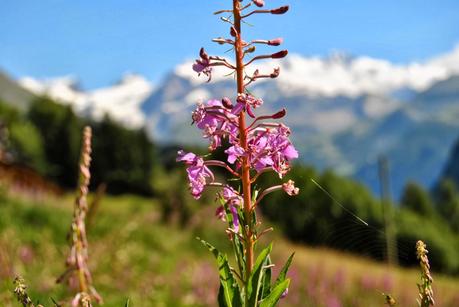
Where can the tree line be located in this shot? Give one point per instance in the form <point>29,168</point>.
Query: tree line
<point>47,138</point>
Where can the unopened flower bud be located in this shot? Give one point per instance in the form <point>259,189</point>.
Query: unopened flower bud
<point>256,73</point>
<point>203,54</point>
<point>279,55</point>
<point>250,49</point>
<point>279,114</point>
<point>219,40</point>
<point>276,41</point>
<point>275,73</point>
<point>280,10</point>
<point>259,3</point>
<point>227,103</point>
<point>233,32</point>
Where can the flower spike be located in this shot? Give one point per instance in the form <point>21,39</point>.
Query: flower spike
<point>253,149</point>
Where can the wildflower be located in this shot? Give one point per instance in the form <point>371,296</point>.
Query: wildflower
<point>234,152</point>
<point>272,148</point>
<point>77,260</point>
<point>202,65</point>
<point>197,172</point>
<point>289,188</point>
<point>233,199</point>
<point>246,102</point>
<point>216,121</point>
<point>254,148</point>
<point>220,213</point>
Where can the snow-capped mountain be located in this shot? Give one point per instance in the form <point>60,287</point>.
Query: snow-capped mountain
<point>344,111</point>
<point>343,75</point>
<point>122,101</point>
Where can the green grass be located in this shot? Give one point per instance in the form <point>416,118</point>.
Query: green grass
<point>133,255</point>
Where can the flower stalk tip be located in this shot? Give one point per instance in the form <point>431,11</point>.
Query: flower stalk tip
<point>77,260</point>
<point>425,287</point>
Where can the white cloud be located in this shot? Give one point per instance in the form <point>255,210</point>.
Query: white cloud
<point>339,75</point>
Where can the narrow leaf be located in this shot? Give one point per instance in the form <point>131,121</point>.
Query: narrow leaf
<point>229,294</point>
<point>272,299</point>
<point>255,279</point>
<point>283,272</point>
<point>266,288</point>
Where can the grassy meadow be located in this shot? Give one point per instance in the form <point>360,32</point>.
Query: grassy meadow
<point>136,256</point>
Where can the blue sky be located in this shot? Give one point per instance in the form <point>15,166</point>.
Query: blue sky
<point>98,41</point>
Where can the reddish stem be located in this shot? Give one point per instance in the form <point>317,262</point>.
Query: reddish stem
<point>246,184</point>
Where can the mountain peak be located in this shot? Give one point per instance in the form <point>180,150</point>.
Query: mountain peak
<point>133,78</point>
<point>343,74</point>
<point>121,101</point>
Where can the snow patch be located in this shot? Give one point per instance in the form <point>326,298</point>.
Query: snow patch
<point>122,102</point>
<point>342,75</point>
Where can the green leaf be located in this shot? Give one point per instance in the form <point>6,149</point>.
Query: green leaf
<point>272,299</point>
<point>255,280</point>
<point>283,272</point>
<point>127,303</point>
<point>266,289</point>
<point>221,296</point>
<point>238,249</point>
<point>229,294</point>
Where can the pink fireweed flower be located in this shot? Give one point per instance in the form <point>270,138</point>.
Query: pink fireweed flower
<point>234,152</point>
<point>202,65</point>
<point>233,199</point>
<point>220,213</point>
<point>216,121</point>
<point>197,172</point>
<point>247,102</point>
<point>267,147</point>
<point>290,189</point>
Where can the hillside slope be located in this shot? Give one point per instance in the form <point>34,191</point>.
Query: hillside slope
<point>12,93</point>
<point>133,255</point>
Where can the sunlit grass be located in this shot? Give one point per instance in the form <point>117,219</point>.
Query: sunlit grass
<point>133,255</point>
